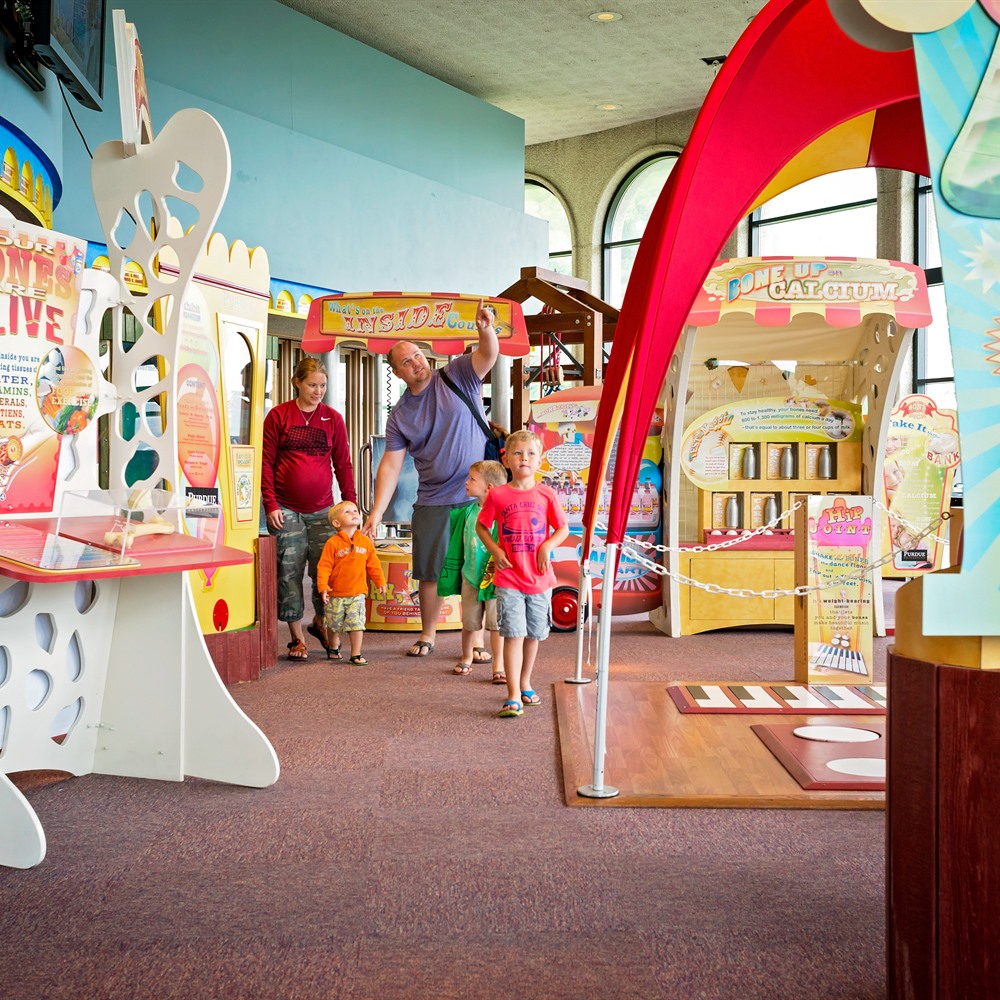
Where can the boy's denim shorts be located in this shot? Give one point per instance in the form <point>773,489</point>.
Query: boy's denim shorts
<point>524,615</point>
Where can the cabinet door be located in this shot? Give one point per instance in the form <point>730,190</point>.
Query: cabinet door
<point>732,571</point>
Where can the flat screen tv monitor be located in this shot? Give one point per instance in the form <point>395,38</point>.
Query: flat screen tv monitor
<point>69,40</point>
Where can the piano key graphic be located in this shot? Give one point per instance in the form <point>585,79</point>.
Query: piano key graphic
<point>709,696</point>
<point>876,692</point>
<point>844,698</point>
<point>798,696</point>
<point>858,663</point>
<point>825,655</point>
<point>755,697</point>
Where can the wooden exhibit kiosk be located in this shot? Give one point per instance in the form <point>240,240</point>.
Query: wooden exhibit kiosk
<point>778,391</point>
<point>103,665</point>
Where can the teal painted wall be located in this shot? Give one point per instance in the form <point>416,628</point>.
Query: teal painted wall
<point>350,169</point>
<point>38,114</point>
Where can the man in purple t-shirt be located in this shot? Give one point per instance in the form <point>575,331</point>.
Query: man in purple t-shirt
<point>443,439</point>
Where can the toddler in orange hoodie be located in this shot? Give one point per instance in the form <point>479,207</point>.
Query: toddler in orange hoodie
<point>347,564</point>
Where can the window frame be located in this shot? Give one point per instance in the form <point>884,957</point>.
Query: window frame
<point>608,245</point>
<point>756,224</point>
<point>555,255</point>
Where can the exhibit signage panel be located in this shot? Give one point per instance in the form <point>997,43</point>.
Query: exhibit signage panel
<point>48,389</point>
<point>834,621</point>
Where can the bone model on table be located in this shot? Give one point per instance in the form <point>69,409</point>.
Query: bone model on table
<point>155,525</point>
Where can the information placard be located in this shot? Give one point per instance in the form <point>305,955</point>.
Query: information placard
<point>833,622</point>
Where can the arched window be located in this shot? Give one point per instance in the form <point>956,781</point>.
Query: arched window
<point>628,214</point>
<point>830,216</point>
<point>540,202</point>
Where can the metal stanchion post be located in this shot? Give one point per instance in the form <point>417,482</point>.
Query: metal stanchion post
<point>598,790</point>
<point>583,602</point>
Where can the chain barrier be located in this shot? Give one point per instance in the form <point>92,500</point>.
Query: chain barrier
<point>633,545</point>
<point>893,516</point>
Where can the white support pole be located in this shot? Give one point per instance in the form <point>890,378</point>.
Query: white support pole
<point>583,602</point>
<point>598,790</point>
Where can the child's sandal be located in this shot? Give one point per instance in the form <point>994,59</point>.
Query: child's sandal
<point>530,698</point>
<point>358,660</point>
<point>499,677</point>
<point>462,669</point>
<point>333,654</point>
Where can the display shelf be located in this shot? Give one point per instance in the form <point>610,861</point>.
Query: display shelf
<point>777,539</point>
<point>152,522</point>
<point>32,546</point>
<point>752,461</point>
<point>787,472</point>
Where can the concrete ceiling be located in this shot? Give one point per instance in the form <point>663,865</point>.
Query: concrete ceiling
<point>545,61</point>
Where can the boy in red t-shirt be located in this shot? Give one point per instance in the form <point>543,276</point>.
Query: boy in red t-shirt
<point>531,523</point>
<point>347,564</point>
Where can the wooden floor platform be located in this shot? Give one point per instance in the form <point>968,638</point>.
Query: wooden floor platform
<point>658,756</point>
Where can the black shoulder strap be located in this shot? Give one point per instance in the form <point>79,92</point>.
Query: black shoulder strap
<point>468,402</point>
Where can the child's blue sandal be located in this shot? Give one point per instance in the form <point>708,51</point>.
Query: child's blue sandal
<point>530,698</point>
<point>511,709</point>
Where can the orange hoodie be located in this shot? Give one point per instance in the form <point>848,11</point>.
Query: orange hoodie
<point>347,564</point>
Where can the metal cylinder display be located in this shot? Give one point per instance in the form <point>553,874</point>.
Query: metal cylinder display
<point>732,513</point>
<point>824,463</point>
<point>770,510</point>
<point>749,462</point>
<point>786,464</point>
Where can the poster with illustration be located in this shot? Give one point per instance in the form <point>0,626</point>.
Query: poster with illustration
<point>48,388</point>
<point>199,421</point>
<point>921,456</point>
<point>838,612</point>
<point>242,470</point>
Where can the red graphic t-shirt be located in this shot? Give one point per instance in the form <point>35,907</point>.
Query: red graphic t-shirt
<point>525,519</point>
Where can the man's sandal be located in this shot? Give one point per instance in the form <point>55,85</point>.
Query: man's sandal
<point>358,660</point>
<point>421,648</point>
<point>499,677</point>
<point>530,698</point>
<point>297,650</point>
<point>480,654</point>
<point>462,669</point>
<point>511,710</point>
<point>317,633</point>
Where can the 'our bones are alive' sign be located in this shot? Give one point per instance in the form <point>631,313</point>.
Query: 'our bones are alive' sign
<point>48,389</point>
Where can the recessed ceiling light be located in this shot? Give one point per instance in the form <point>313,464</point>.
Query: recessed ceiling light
<point>604,16</point>
<point>608,107</point>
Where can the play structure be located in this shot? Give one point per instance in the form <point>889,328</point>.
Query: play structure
<point>912,87</point>
<point>556,393</point>
<point>103,667</point>
<point>564,420</point>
